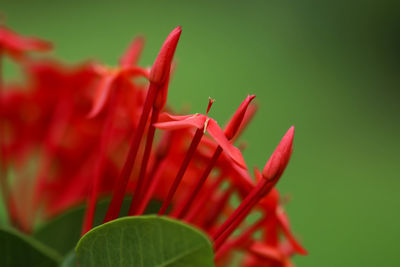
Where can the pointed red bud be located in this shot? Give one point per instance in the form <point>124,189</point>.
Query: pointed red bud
<point>161,98</point>
<point>280,158</point>
<point>162,65</point>
<point>234,124</point>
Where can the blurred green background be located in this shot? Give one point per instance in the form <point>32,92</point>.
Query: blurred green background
<point>331,68</point>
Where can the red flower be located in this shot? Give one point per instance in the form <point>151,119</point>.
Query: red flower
<point>83,126</point>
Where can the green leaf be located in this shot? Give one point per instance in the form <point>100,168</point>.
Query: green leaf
<point>144,241</point>
<point>20,250</point>
<point>63,232</point>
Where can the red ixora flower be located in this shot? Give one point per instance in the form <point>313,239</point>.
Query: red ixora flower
<point>94,131</point>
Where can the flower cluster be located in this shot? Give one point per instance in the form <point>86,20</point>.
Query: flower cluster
<point>71,135</point>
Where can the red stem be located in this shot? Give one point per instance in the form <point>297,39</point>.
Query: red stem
<point>151,185</point>
<point>182,213</point>
<point>99,167</point>
<point>206,196</point>
<point>218,207</point>
<point>247,202</point>
<point>196,140</point>
<point>240,240</point>
<point>155,173</point>
<point>218,242</point>
<point>262,189</point>
<point>123,179</point>
<point>137,195</point>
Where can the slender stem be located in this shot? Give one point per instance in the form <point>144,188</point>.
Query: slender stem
<point>247,202</point>
<point>150,186</point>
<point>244,237</point>
<point>99,166</point>
<point>262,189</point>
<point>220,204</point>
<point>198,205</point>
<point>182,213</point>
<point>137,195</point>
<point>196,140</point>
<point>123,179</point>
<point>155,173</point>
<point>218,242</point>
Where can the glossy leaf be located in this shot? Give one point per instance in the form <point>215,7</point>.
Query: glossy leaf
<point>20,250</point>
<point>63,232</point>
<point>145,241</point>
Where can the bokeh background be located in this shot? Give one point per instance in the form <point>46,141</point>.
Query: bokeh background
<point>331,68</point>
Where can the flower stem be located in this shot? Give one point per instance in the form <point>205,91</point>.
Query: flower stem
<point>218,242</point>
<point>241,240</point>
<point>219,205</point>
<point>198,205</point>
<point>240,213</point>
<point>123,179</point>
<point>196,140</point>
<point>154,175</point>
<point>182,213</point>
<point>99,166</point>
<point>137,196</point>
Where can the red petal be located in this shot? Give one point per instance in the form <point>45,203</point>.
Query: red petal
<point>131,55</point>
<point>182,122</point>
<point>284,222</point>
<point>164,117</point>
<point>102,92</point>
<point>216,132</point>
<point>266,251</point>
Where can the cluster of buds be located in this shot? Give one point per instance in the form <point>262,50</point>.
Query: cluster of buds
<point>72,135</point>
